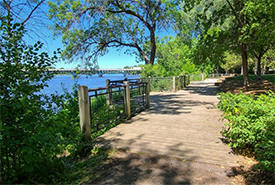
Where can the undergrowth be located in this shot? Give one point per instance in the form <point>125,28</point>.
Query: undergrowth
<point>250,125</point>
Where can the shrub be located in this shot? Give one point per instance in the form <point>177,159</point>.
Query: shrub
<point>251,125</point>
<point>32,133</point>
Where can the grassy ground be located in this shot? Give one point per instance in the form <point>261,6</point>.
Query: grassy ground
<point>84,169</point>
<point>268,77</point>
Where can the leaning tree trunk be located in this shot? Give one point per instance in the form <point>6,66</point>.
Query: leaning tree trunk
<point>244,64</point>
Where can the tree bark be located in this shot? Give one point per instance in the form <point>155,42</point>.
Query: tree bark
<point>244,64</point>
<point>259,68</point>
<point>153,46</point>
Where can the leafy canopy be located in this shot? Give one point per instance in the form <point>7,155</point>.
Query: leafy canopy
<point>89,28</point>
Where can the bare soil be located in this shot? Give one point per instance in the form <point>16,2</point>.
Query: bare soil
<point>247,173</point>
<point>255,87</point>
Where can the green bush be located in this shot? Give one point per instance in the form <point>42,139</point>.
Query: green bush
<point>251,125</point>
<point>33,130</point>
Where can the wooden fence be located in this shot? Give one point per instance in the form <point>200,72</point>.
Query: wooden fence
<point>132,94</point>
<point>124,98</point>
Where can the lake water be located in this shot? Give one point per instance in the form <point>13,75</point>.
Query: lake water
<point>59,83</point>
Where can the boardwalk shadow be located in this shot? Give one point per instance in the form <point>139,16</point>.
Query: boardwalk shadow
<point>157,160</point>
<point>209,90</point>
<point>146,167</point>
<point>149,167</point>
<point>174,104</point>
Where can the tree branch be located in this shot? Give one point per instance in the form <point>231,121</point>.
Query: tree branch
<point>234,12</point>
<point>33,10</point>
<point>130,12</point>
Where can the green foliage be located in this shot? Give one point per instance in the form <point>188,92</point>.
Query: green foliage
<point>104,115</point>
<point>268,77</point>
<point>161,84</point>
<point>175,57</point>
<point>66,116</point>
<point>251,125</point>
<point>34,129</point>
<point>86,169</point>
<point>92,27</point>
<point>268,59</point>
<point>233,26</point>
<point>196,77</point>
<point>27,132</point>
<point>155,70</point>
<point>232,62</point>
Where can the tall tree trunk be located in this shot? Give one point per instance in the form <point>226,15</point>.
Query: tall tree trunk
<point>153,46</point>
<point>259,68</point>
<point>244,64</point>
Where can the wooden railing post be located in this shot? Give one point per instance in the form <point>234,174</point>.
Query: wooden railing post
<point>109,93</point>
<point>180,83</point>
<point>127,102</point>
<point>184,81</point>
<point>181,86</point>
<point>174,83</point>
<point>147,93</point>
<point>84,111</point>
<point>140,88</point>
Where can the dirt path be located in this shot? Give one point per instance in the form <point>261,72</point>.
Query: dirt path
<point>177,141</point>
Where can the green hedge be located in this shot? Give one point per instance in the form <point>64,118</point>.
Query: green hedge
<point>251,125</point>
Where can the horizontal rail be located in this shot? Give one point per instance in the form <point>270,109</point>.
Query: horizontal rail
<point>114,88</point>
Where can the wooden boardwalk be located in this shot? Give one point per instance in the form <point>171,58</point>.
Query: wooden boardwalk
<point>184,126</point>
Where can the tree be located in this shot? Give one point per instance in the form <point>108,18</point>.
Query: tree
<point>89,28</point>
<point>261,29</point>
<point>229,25</point>
<point>196,23</point>
<point>232,62</point>
<point>175,57</point>
<point>268,60</point>
<point>30,13</point>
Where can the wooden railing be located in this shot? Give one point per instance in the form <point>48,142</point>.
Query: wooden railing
<point>132,94</point>
<point>123,98</point>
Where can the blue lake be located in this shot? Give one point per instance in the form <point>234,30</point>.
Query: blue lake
<point>59,83</point>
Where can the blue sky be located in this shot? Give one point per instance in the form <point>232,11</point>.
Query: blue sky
<point>113,59</point>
